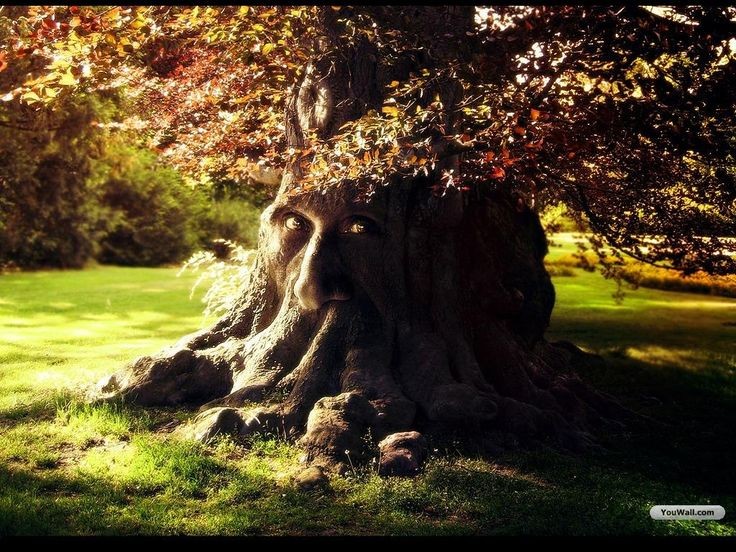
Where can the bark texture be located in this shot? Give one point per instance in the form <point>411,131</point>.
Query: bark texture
<point>381,316</point>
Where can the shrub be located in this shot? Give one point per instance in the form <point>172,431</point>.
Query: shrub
<point>640,274</point>
<point>647,276</point>
<point>233,220</point>
<point>45,216</point>
<point>152,216</point>
<point>559,271</point>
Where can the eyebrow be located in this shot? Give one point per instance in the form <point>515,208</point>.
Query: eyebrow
<point>280,210</point>
<point>348,208</point>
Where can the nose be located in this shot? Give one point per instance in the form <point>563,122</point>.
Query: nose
<point>322,277</point>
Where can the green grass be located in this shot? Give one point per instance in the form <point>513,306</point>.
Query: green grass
<point>62,329</point>
<point>67,467</point>
<point>636,273</point>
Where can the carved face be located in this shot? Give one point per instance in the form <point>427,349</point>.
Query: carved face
<point>327,249</point>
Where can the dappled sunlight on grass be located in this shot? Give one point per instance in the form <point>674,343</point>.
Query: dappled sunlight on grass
<point>586,314</point>
<point>147,465</point>
<point>96,327</point>
<point>680,358</point>
<point>679,303</point>
<point>63,305</point>
<point>67,467</point>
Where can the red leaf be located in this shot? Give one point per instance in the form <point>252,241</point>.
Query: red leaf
<point>497,173</point>
<point>534,114</point>
<point>535,146</point>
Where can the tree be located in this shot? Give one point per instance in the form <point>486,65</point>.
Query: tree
<point>47,210</point>
<point>152,217</point>
<point>399,281</point>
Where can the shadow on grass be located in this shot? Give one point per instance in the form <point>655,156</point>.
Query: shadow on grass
<point>600,332</point>
<point>54,503</point>
<point>696,411</point>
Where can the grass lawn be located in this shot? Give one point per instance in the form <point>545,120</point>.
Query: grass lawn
<point>69,468</point>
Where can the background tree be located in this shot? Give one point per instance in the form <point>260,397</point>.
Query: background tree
<point>76,184</point>
<point>47,214</point>
<point>399,281</point>
<point>151,215</point>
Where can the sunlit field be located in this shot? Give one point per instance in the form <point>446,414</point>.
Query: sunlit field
<point>71,468</point>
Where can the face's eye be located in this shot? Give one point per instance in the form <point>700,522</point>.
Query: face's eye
<point>295,223</point>
<point>359,225</point>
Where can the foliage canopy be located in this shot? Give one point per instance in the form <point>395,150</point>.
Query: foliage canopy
<point>625,113</point>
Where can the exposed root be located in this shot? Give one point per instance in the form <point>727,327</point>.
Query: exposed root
<point>442,330</point>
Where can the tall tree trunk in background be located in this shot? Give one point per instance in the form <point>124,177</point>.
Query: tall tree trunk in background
<point>398,312</point>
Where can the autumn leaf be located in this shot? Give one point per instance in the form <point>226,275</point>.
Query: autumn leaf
<point>3,62</point>
<point>268,48</point>
<point>519,130</point>
<point>390,110</point>
<point>534,114</point>
<point>67,79</point>
<point>113,14</point>
<point>49,24</point>
<point>497,173</point>
<point>535,146</point>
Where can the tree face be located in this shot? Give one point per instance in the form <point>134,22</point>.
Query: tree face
<point>380,315</point>
<point>328,247</point>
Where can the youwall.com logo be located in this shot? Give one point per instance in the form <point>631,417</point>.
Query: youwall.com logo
<point>679,511</point>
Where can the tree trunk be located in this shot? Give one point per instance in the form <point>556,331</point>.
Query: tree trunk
<point>374,316</point>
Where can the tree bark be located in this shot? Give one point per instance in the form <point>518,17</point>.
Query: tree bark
<point>430,320</point>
